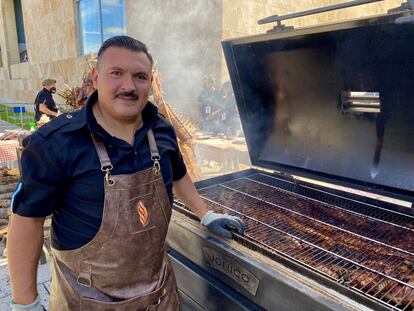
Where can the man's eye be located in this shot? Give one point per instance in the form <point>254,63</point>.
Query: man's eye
<point>116,73</point>
<point>141,77</point>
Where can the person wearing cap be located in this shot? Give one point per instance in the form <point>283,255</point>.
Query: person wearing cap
<point>106,173</point>
<point>44,103</point>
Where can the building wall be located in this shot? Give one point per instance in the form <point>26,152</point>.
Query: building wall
<point>183,35</point>
<point>50,28</point>
<point>10,48</point>
<point>51,40</point>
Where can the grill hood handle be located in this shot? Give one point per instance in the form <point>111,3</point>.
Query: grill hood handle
<point>278,19</point>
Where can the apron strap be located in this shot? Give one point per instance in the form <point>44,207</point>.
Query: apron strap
<point>101,150</point>
<point>153,146</point>
<point>106,165</point>
<point>155,155</point>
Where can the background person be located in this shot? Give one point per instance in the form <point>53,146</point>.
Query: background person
<point>44,103</point>
<point>209,101</point>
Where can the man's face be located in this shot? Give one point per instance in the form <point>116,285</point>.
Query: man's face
<point>208,84</point>
<point>51,87</point>
<point>123,80</point>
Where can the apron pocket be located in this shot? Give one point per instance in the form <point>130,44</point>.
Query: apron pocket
<point>147,302</point>
<point>141,213</point>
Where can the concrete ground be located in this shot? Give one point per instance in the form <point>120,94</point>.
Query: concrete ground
<point>7,126</point>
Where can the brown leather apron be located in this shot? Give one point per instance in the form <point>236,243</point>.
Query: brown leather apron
<point>124,267</point>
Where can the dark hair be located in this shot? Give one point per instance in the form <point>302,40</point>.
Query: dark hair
<point>125,42</point>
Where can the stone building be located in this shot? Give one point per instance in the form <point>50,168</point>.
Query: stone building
<point>48,38</point>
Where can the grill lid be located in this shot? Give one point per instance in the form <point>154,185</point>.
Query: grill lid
<point>334,101</point>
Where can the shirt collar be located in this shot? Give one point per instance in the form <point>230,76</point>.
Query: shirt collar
<point>149,117</point>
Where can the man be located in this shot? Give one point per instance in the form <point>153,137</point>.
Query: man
<point>44,103</point>
<point>106,174</point>
<point>229,116</point>
<point>209,100</point>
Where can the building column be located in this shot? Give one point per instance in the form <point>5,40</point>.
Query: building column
<point>9,43</point>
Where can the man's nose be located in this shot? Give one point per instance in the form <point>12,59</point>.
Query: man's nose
<point>128,83</point>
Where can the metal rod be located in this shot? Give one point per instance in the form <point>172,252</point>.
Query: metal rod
<point>319,221</point>
<point>310,244</point>
<point>310,254</point>
<point>276,18</point>
<point>380,209</point>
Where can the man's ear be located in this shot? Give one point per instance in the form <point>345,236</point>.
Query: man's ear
<point>95,78</point>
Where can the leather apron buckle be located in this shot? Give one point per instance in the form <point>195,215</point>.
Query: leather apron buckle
<point>84,277</point>
<point>107,170</point>
<point>156,166</point>
<point>84,280</point>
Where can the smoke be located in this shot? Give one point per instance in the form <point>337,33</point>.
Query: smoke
<point>184,37</point>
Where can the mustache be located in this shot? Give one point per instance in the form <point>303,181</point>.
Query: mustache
<point>133,95</point>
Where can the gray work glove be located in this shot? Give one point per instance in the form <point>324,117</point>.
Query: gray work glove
<point>217,223</point>
<point>34,306</point>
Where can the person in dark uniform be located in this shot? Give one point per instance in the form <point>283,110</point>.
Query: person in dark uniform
<point>106,173</point>
<point>229,116</point>
<point>209,101</point>
<point>44,103</point>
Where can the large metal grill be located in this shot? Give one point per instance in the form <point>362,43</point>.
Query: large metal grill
<point>361,246</point>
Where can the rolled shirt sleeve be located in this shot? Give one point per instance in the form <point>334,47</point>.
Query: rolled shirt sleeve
<point>39,191</point>
<point>42,99</point>
<point>46,98</point>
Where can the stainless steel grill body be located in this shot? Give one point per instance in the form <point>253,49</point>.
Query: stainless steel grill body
<point>334,104</point>
<point>366,251</point>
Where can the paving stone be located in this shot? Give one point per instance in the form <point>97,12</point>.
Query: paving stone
<point>5,289</point>
<point>47,285</point>
<point>43,272</point>
<point>43,294</point>
<point>5,303</point>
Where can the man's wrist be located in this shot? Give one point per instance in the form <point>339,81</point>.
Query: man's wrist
<point>24,298</point>
<point>205,219</point>
<point>34,306</point>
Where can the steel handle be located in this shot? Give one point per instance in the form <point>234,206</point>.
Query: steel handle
<point>276,18</point>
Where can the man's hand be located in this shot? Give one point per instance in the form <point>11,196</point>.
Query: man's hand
<point>220,223</point>
<point>35,306</point>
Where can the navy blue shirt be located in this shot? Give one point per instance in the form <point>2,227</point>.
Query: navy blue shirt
<point>44,97</point>
<point>61,172</point>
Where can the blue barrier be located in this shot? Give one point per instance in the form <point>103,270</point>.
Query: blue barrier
<point>19,109</point>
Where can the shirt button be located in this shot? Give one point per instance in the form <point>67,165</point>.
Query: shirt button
<point>69,116</point>
<point>135,153</point>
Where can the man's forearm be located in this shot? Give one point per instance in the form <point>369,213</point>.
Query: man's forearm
<point>43,109</point>
<point>186,192</point>
<point>24,245</point>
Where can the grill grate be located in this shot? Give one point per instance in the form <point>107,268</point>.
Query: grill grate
<point>366,248</point>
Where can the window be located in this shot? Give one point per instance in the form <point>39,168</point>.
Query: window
<point>20,30</point>
<point>99,20</point>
